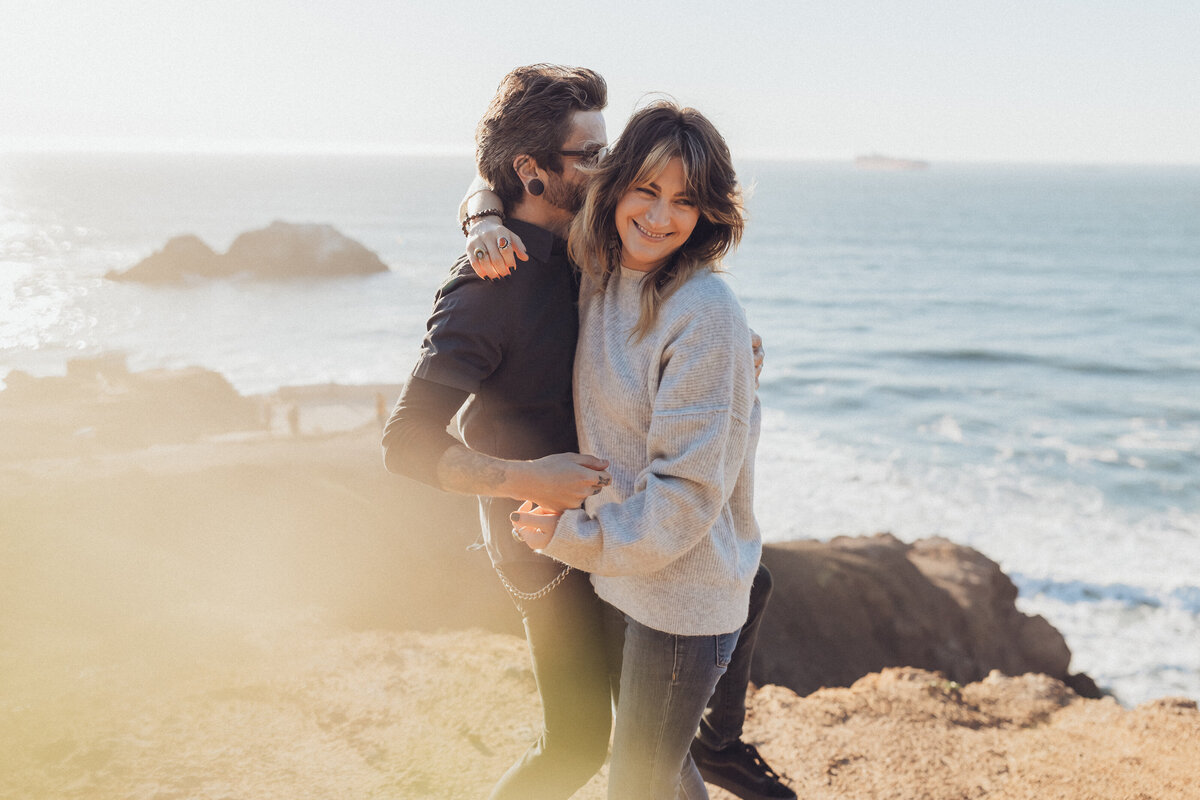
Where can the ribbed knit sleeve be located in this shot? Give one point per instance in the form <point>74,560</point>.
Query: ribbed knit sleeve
<point>694,449</point>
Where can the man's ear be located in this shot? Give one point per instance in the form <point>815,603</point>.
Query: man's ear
<point>527,168</point>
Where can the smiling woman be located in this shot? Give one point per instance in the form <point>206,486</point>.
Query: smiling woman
<point>675,207</point>
<point>655,217</point>
<point>661,211</point>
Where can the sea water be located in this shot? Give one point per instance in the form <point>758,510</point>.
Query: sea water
<point>1007,356</point>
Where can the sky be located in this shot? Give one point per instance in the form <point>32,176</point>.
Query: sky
<point>1087,81</point>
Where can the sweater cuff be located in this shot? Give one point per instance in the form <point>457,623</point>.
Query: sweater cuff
<point>570,542</point>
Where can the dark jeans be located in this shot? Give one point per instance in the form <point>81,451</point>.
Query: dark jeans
<point>666,680</point>
<point>722,723</point>
<point>566,643</point>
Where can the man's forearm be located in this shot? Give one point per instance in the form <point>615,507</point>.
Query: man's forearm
<point>416,444</point>
<point>467,471</point>
<point>555,482</point>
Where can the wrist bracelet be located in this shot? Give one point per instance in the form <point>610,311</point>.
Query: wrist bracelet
<point>487,212</point>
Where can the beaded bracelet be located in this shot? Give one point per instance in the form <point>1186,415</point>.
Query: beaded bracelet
<point>487,212</point>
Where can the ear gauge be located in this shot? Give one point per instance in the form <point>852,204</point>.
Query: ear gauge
<point>536,187</point>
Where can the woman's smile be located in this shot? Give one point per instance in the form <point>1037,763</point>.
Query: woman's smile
<point>655,218</point>
<point>658,237</point>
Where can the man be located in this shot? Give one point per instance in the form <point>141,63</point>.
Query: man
<point>506,350</point>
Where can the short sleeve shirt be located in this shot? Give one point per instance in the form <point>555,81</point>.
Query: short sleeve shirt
<point>511,344</point>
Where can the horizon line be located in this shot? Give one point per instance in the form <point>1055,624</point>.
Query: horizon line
<point>242,148</point>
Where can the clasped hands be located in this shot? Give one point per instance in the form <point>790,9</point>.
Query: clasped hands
<point>575,476</point>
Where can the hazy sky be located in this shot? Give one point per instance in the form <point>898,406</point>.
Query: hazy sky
<point>1021,80</point>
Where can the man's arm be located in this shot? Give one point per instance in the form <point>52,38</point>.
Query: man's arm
<point>416,444</point>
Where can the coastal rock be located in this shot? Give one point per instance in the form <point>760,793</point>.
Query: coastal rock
<point>280,251</point>
<point>856,605</point>
<point>180,257</point>
<point>99,406</point>
<point>283,250</point>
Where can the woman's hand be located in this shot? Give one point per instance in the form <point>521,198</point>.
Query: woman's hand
<point>493,248</point>
<point>534,525</point>
<point>759,355</point>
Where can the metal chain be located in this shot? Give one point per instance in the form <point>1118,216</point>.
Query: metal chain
<point>540,593</point>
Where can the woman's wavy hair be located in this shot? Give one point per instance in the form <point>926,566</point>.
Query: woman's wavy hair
<point>654,135</point>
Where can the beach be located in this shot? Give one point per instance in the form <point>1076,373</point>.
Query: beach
<point>228,608</point>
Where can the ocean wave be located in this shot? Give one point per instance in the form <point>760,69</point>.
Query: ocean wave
<point>1059,363</point>
<point>1187,597</point>
<point>1077,591</point>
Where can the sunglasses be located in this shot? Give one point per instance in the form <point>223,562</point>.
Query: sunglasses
<point>593,156</point>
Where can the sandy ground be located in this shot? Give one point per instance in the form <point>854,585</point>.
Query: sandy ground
<point>248,615</point>
<point>306,711</point>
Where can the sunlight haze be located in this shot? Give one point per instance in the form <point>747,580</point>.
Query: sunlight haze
<point>963,81</point>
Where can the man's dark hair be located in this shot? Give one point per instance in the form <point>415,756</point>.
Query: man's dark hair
<point>531,114</point>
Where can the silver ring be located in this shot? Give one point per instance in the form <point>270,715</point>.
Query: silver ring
<point>517,536</point>
<point>480,252</point>
<point>603,480</point>
<point>502,243</point>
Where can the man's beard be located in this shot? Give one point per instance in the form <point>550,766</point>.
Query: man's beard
<point>567,196</point>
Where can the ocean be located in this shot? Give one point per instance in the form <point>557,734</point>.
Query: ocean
<point>1007,356</point>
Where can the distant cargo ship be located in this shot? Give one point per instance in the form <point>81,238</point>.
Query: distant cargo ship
<point>876,161</point>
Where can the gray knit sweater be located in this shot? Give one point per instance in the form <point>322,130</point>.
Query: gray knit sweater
<point>673,541</point>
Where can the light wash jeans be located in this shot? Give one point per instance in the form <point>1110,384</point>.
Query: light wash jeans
<point>666,682</point>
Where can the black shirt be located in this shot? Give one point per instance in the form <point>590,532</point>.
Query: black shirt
<point>507,348</point>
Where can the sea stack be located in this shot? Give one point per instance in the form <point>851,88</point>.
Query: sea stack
<point>280,251</point>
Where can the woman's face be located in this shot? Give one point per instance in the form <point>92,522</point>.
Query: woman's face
<point>655,218</point>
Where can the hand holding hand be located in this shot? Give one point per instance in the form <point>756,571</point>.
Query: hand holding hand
<point>560,481</point>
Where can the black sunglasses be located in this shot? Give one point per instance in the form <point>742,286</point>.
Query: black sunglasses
<point>595,155</point>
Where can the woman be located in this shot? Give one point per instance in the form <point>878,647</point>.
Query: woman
<point>665,391</point>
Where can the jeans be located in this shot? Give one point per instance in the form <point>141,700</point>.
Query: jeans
<point>722,723</point>
<point>566,643</point>
<point>666,681</point>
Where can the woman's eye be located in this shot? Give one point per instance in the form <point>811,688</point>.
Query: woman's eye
<point>644,191</point>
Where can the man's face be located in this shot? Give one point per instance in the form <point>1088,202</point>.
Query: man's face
<point>588,134</point>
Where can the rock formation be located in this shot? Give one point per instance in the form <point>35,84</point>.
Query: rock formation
<point>280,251</point>
<point>855,605</point>
<point>180,257</point>
<point>100,406</point>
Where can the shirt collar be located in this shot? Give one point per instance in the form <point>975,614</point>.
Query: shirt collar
<point>539,242</point>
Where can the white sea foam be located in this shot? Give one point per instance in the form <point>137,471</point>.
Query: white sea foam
<point>1100,575</point>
